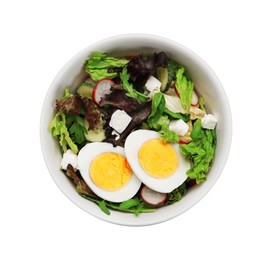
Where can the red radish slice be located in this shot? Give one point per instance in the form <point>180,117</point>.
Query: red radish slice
<point>194,99</point>
<point>101,89</point>
<point>152,197</point>
<point>182,142</point>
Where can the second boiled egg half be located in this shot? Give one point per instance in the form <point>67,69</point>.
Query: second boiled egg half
<point>158,164</point>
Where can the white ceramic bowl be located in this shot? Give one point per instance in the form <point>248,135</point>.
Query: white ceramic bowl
<point>206,83</point>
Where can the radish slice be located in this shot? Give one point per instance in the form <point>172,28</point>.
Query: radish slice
<point>194,99</point>
<point>182,142</point>
<point>152,197</point>
<point>101,89</point>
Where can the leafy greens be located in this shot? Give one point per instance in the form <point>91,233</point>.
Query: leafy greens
<point>160,122</point>
<point>185,89</point>
<point>200,151</point>
<point>98,65</point>
<point>59,130</point>
<point>140,97</point>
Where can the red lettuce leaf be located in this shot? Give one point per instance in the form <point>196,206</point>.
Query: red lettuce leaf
<point>81,185</point>
<point>118,99</point>
<point>70,104</point>
<point>92,114</point>
<point>140,68</point>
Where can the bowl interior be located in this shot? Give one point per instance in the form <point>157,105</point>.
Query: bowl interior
<point>206,84</point>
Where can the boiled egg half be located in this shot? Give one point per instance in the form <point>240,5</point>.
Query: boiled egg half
<point>158,164</point>
<point>107,172</point>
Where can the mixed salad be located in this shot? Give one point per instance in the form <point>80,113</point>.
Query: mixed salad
<point>122,95</point>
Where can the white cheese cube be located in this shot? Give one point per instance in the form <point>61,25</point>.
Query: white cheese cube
<point>153,84</point>
<point>119,121</point>
<point>208,121</point>
<point>179,127</point>
<point>69,157</point>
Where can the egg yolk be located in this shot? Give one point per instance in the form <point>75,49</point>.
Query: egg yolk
<point>158,159</point>
<point>110,171</point>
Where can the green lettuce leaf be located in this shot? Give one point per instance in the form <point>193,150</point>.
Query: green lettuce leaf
<point>157,109</point>
<point>59,130</point>
<point>185,89</point>
<point>160,122</point>
<point>98,65</point>
<point>200,152</point>
<point>77,128</point>
<point>176,195</point>
<point>165,133</point>
<point>128,87</point>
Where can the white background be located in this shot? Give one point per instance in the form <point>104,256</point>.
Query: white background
<point>232,222</point>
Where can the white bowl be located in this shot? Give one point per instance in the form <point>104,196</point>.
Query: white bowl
<point>206,83</point>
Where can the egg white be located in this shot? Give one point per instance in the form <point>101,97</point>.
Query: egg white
<point>86,156</point>
<point>132,146</point>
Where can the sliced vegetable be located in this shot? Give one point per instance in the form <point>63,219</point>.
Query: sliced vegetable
<point>162,76</point>
<point>182,142</point>
<point>101,89</point>
<point>85,90</point>
<point>152,197</point>
<point>194,101</point>
<point>97,135</point>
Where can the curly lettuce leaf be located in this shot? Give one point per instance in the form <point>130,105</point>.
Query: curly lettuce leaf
<point>200,152</point>
<point>98,65</point>
<point>59,130</point>
<point>185,89</point>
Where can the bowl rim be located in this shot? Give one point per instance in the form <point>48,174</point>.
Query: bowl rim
<point>156,38</point>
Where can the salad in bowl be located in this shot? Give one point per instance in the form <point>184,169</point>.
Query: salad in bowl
<point>135,134</point>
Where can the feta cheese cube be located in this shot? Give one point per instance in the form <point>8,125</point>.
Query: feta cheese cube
<point>208,121</point>
<point>179,127</point>
<point>119,121</point>
<point>153,84</point>
<point>69,157</point>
